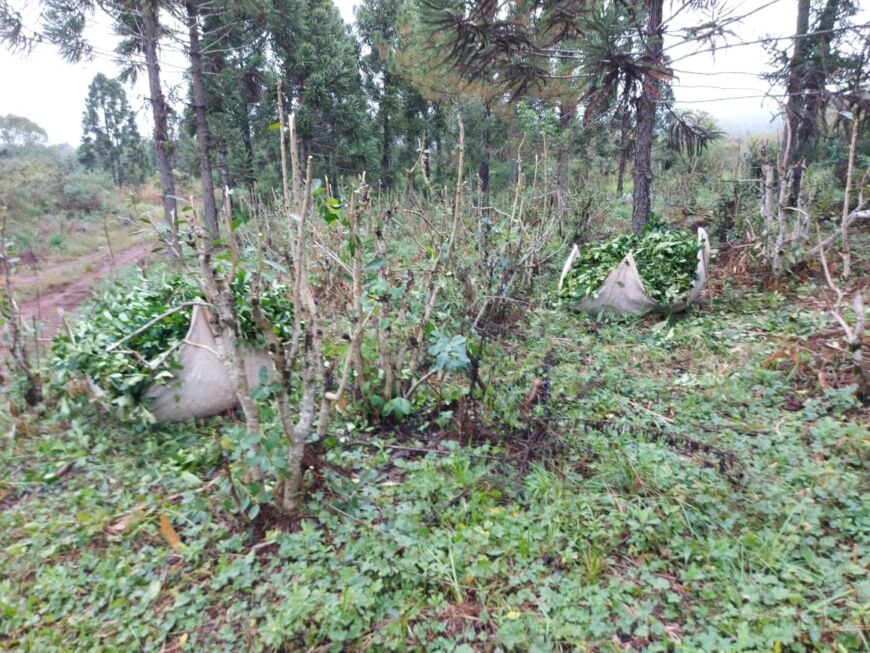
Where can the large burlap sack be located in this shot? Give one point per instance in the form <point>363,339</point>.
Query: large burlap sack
<point>623,291</point>
<point>201,387</point>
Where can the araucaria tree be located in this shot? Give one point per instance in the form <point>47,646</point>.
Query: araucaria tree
<point>378,29</point>
<point>615,49</point>
<point>319,62</point>
<point>138,23</point>
<point>110,139</point>
<point>806,74</point>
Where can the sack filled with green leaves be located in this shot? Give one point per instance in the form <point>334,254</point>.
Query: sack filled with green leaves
<point>111,345</point>
<point>661,269</point>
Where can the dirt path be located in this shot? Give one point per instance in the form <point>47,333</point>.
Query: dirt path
<point>75,284</point>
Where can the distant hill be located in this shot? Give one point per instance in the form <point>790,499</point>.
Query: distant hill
<point>746,125</point>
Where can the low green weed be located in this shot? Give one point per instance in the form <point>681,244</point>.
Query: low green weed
<point>677,495</point>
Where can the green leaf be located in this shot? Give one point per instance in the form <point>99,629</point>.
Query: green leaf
<point>397,407</point>
<point>190,479</point>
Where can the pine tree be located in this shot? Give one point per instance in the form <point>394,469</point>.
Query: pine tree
<point>319,63</point>
<point>615,49</point>
<point>813,63</point>
<point>416,57</point>
<point>138,23</point>
<point>110,139</point>
<point>377,26</point>
<point>192,10</point>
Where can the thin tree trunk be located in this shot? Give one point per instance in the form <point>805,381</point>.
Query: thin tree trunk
<point>214,64</point>
<point>844,224</point>
<point>224,169</point>
<point>796,104</point>
<point>160,114</point>
<point>566,113</point>
<point>199,111</point>
<point>386,165</point>
<point>386,176</point>
<point>646,117</point>
<point>624,150</point>
<point>12,315</point>
<point>483,170</point>
<point>249,149</point>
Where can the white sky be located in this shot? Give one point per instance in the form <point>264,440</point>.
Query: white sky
<point>51,92</point>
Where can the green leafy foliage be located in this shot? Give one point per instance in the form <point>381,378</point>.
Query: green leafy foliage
<point>666,258</point>
<point>450,352</point>
<point>123,308</point>
<point>448,547</point>
<point>329,207</point>
<point>273,298</point>
<point>671,471</point>
<point>397,407</point>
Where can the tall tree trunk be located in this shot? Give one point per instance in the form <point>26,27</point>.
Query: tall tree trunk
<point>214,64</point>
<point>646,117</point>
<point>624,150</point>
<point>160,114</point>
<point>795,107</point>
<point>808,72</point>
<point>386,165</point>
<point>566,114</point>
<point>483,170</point>
<point>386,175</point>
<point>209,208</point>
<point>249,148</point>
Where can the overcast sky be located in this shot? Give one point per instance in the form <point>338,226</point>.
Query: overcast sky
<point>42,87</point>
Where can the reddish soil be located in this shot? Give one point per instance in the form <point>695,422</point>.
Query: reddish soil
<point>68,294</point>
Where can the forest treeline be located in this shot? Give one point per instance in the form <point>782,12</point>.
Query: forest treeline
<point>590,80</point>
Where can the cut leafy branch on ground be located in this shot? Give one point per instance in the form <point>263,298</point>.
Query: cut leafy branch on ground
<point>666,258</point>
<point>130,334</point>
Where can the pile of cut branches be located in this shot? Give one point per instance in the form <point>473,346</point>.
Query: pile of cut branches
<point>666,258</point>
<point>128,338</point>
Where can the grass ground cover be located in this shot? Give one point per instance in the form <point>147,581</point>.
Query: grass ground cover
<point>679,488</point>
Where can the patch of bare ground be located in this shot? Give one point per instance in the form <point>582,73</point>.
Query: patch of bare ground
<point>66,284</point>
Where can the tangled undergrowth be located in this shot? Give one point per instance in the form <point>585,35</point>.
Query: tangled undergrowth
<point>698,499</point>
